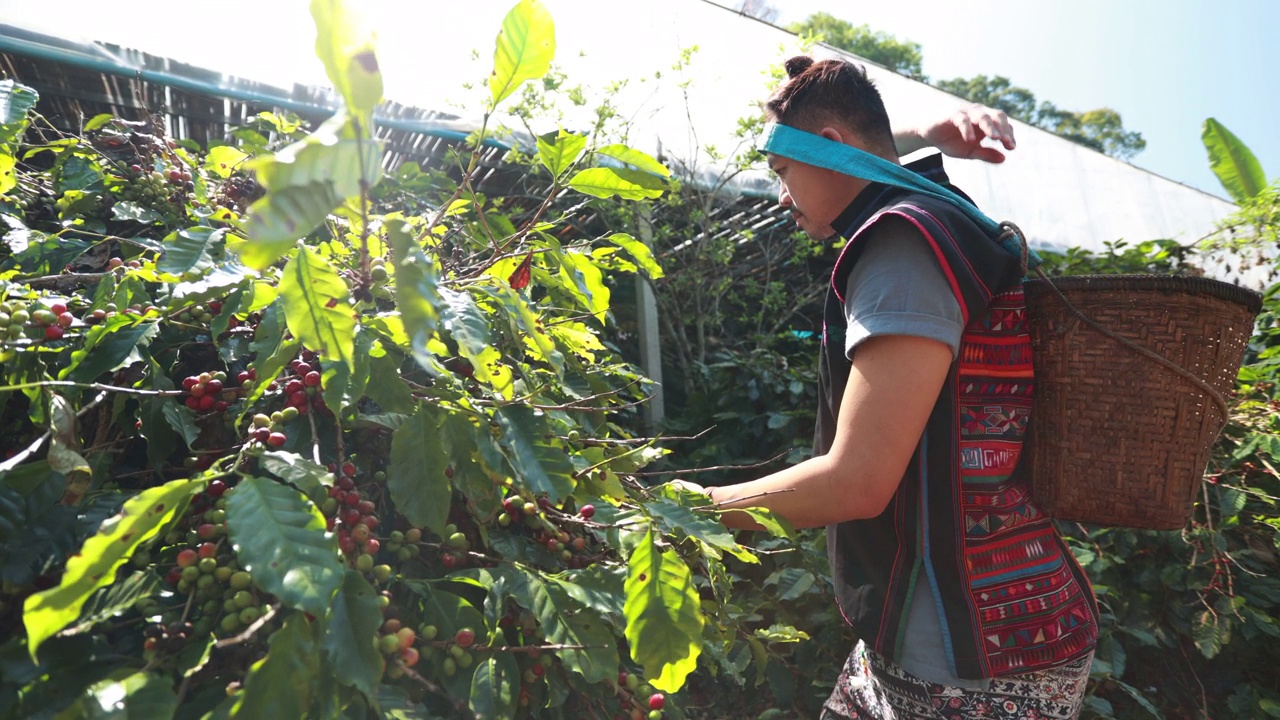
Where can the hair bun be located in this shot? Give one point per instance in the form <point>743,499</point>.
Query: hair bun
<point>798,64</point>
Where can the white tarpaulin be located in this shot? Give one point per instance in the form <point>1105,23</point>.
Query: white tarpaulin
<point>1062,194</point>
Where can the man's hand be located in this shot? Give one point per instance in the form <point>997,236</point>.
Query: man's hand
<point>961,135</point>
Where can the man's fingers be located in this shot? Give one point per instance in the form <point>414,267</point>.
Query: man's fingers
<point>1006,131</point>
<point>988,154</point>
<point>965,126</point>
<point>988,126</point>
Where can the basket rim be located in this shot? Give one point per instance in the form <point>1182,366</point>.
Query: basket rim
<point>1146,283</point>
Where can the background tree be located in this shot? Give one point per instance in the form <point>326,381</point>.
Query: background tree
<point>1101,129</point>
<point>901,56</point>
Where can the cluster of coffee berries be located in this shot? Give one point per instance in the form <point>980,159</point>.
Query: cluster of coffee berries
<point>644,701</point>
<point>569,547</point>
<point>165,191</point>
<point>404,545</point>
<point>238,193</point>
<point>35,320</point>
<point>458,654</point>
<point>221,595</point>
<point>353,516</point>
<point>378,269</point>
<point>167,638</point>
<point>301,384</point>
<point>396,642</point>
<point>207,392</point>
<point>203,314</point>
<point>269,429</point>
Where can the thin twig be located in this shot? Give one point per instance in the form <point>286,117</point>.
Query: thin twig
<point>92,386</point>
<point>315,436</point>
<point>35,445</point>
<point>249,631</point>
<point>64,279</point>
<point>690,471</point>
<point>519,648</point>
<point>722,503</point>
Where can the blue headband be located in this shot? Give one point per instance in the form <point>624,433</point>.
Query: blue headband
<point>816,150</point>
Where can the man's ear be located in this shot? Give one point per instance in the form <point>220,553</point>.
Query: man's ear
<point>831,133</point>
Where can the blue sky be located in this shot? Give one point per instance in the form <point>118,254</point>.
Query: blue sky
<point>1165,66</point>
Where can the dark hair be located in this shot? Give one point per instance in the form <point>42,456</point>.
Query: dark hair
<point>826,92</point>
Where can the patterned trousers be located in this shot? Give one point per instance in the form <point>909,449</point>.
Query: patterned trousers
<point>872,688</point>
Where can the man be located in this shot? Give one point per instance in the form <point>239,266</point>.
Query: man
<point>967,602</point>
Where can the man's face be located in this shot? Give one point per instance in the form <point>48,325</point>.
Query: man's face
<point>808,192</point>
<point>815,196</point>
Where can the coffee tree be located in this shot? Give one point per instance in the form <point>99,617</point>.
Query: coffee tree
<point>291,438</point>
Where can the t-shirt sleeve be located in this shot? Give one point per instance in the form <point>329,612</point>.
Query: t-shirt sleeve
<point>897,287</point>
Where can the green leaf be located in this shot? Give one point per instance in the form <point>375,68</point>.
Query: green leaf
<point>781,634</point>
<point>109,347</point>
<point>1139,698</point>
<point>279,536</point>
<point>447,611</point>
<point>47,612</point>
<point>157,428</point>
<point>495,686</point>
<point>792,582</point>
<point>49,254</point>
<point>417,295</point>
<point>605,182</point>
<point>1232,161</point>
<point>585,282</point>
<point>386,388</point>
<point>599,587</point>
<point>526,44</point>
<point>16,101</point>
<point>773,523</point>
<point>464,321</point>
<point>350,638</point>
<point>137,212</point>
<point>224,160</point>
<point>416,476</point>
<point>345,44</point>
<point>638,252</point>
<point>190,249</point>
<point>563,624</point>
<point>77,172</point>
<point>312,479</point>
<point>1205,634</point>
<point>635,158</point>
<point>710,534</point>
<point>8,179</point>
<point>344,388</point>
<point>542,468</point>
<point>664,619</point>
<point>560,150</point>
<point>282,684</point>
<point>141,696</point>
<point>525,322</point>
<point>279,218</point>
<point>64,445</point>
<point>181,419</point>
<point>117,598</point>
<point>305,181</point>
<point>316,307</point>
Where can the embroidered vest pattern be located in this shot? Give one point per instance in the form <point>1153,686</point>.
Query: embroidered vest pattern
<point>1029,606</point>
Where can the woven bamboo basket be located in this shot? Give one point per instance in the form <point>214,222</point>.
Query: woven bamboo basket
<point>1123,428</point>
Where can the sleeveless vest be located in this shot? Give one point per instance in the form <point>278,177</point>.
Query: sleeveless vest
<point>962,526</point>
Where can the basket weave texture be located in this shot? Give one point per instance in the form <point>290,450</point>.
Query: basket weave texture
<point>1117,439</point>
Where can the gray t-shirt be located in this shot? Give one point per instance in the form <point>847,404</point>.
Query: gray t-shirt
<point>897,287</point>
